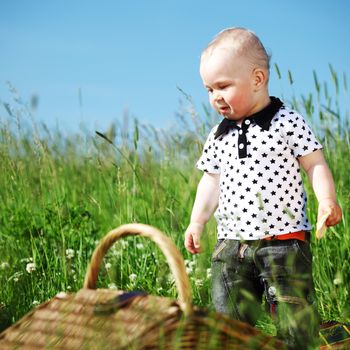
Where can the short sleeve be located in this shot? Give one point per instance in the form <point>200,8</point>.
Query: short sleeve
<point>298,134</point>
<point>209,161</point>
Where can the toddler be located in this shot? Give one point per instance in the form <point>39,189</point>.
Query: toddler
<point>251,163</point>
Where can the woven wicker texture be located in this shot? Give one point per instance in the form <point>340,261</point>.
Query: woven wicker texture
<point>109,319</point>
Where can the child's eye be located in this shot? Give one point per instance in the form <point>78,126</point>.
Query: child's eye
<point>210,91</point>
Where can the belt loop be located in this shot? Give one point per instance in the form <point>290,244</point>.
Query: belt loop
<point>243,247</point>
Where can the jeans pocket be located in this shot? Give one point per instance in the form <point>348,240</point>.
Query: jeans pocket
<point>304,252</point>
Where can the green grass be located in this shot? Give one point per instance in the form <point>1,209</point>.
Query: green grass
<point>60,194</point>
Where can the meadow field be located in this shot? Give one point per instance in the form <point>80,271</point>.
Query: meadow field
<point>59,194</point>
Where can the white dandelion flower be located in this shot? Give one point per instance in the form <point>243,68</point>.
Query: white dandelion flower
<point>108,265</point>
<point>124,243</point>
<point>140,246</point>
<point>117,253</point>
<point>112,286</point>
<point>199,282</point>
<point>189,270</point>
<point>16,276</point>
<point>30,267</point>
<point>337,281</point>
<point>4,265</point>
<point>133,277</point>
<point>171,279</point>
<point>70,253</point>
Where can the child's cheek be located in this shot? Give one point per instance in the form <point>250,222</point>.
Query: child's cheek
<point>212,102</point>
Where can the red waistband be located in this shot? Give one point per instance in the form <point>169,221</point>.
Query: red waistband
<point>293,235</point>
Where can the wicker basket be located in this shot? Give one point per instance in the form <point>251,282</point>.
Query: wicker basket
<point>109,319</point>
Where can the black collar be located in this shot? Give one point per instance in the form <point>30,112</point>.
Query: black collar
<point>262,118</point>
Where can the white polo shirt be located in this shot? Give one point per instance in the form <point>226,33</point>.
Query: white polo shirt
<point>261,189</point>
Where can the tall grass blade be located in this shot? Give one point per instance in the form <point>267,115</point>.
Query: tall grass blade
<point>277,71</point>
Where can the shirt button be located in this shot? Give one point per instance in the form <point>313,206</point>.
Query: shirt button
<point>240,132</point>
<point>247,122</point>
<point>241,146</point>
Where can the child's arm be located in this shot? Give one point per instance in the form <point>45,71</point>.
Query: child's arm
<point>322,182</point>
<point>206,201</point>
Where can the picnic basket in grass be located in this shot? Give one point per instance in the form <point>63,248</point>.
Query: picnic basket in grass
<point>114,319</point>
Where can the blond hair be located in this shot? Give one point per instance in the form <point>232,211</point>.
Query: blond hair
<point>241,41</point>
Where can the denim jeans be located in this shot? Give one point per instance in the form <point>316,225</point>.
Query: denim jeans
<point>281,270</point>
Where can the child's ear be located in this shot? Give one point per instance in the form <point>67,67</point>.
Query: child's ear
<point>260,78</point>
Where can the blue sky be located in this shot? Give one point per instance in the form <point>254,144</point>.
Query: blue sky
<point>131,55</point>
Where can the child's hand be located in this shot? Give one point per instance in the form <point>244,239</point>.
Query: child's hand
<point>192,237</point>
<point>329,206</point>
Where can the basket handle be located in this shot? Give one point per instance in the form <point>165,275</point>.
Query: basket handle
<point>169,249</point>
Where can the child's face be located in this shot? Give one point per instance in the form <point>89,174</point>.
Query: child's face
<point>229,80</point>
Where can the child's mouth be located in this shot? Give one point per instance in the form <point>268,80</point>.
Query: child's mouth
<point>224,110</point>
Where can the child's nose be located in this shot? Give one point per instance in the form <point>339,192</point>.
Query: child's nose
<point>217,96</point>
